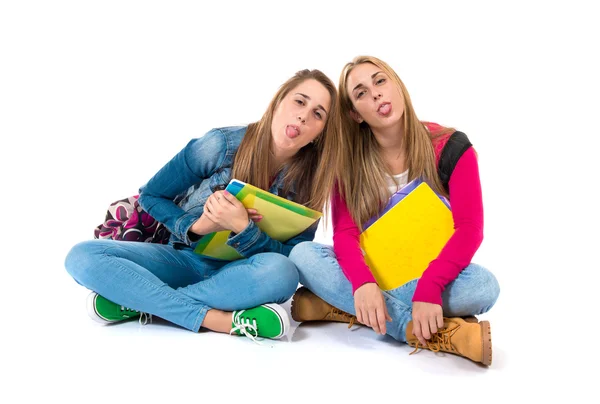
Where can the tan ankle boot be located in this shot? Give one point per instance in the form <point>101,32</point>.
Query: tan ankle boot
<point>470,339</point>
<point>306,306</point>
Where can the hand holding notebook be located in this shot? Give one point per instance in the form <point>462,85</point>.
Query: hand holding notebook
<point>282,219</point>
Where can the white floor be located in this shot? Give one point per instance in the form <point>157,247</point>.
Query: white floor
<point>52,349</point>
<point>314,359</point>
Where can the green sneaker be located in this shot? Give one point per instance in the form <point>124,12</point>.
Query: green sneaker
<point>267,320</point>
<point>104,311</point>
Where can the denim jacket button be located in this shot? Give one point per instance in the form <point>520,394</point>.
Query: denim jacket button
<point>236,245</point>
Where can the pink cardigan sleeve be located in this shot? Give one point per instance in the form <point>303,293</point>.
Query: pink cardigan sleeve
<point>346,244</point>
<point>467,212</point>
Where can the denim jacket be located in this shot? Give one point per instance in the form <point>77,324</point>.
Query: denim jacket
<point>175,196</point>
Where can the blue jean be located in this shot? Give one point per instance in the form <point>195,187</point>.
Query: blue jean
<point>179,285</point>
<point>473,292</point>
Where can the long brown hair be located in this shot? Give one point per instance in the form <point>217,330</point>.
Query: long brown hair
<point>310,168</point>
<point>362,171</point>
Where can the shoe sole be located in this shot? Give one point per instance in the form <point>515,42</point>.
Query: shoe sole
<point>486,337</point>
<point>294,309</point>
<point>91,309</point>
<point>283,317</point>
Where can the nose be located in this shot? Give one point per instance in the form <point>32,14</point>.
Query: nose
<point>302,119</point>
<point>376,96</point>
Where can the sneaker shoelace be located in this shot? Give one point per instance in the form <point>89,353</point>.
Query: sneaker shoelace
<point>245,327</point>
<point>335,311</point>
<point>144,319</point>
<point>440,341</point>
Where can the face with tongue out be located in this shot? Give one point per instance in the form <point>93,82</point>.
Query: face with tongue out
<point>300,117</point>
<point>376,99</point>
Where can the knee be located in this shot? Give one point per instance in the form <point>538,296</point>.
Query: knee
<point>278,272</point>
<point>288,275</point>
<point>82,259</point>
<point>303,252</point>
<point>487,291</point>
<point>306,256</point>
<point>492,290</point>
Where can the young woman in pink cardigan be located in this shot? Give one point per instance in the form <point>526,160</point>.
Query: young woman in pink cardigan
<point>387,147</point>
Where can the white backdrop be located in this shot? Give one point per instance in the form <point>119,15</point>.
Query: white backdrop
<point>96,96</point>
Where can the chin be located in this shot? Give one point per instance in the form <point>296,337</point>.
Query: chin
<point>285,144</point>
<point>392,120</point>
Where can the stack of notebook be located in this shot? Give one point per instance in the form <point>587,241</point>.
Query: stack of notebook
<point>410,232</point>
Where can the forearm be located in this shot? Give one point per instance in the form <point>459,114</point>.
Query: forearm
<point>346,245</point>
<point>467,213</point>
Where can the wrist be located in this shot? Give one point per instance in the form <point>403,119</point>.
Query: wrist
<point>365,286</point>
<point>198,228</point>
<point>193,236</point>
<point>240,226</point>
<point>194,228</point>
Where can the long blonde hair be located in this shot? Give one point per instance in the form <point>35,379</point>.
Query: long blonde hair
<point>310,168</point>
<point>362,170</point>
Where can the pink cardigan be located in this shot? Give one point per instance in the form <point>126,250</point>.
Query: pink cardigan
<point>467,212</point>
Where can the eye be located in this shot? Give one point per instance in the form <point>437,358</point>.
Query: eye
<point>380,81</point>
<point>360,94</point>
<point>299,102</point>
<point>318,115</point>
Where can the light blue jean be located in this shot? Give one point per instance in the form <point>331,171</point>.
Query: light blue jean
<point>473,292</point>
<point>177,284</point>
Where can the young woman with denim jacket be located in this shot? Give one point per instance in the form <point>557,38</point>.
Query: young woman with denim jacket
<point>387,147</point>
<point>288,152</point>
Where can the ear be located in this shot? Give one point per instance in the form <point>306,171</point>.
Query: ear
<point>356,116</point>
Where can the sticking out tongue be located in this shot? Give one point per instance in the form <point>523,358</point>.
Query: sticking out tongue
<point>291,132</point>
<point>385,109</point>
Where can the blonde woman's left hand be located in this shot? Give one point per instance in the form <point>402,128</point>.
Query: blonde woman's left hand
<point>427,319</point>
<point>224,209</point>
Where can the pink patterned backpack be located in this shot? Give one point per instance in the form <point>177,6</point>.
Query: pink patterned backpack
<point>127,221</point>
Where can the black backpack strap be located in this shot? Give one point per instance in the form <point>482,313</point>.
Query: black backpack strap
<point>457,144</point>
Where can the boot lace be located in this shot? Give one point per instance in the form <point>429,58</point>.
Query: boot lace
<point>440,341</point>
<point>347,317</point>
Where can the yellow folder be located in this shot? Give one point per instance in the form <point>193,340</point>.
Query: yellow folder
<point>282,220</point>
<point>400,244</point>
